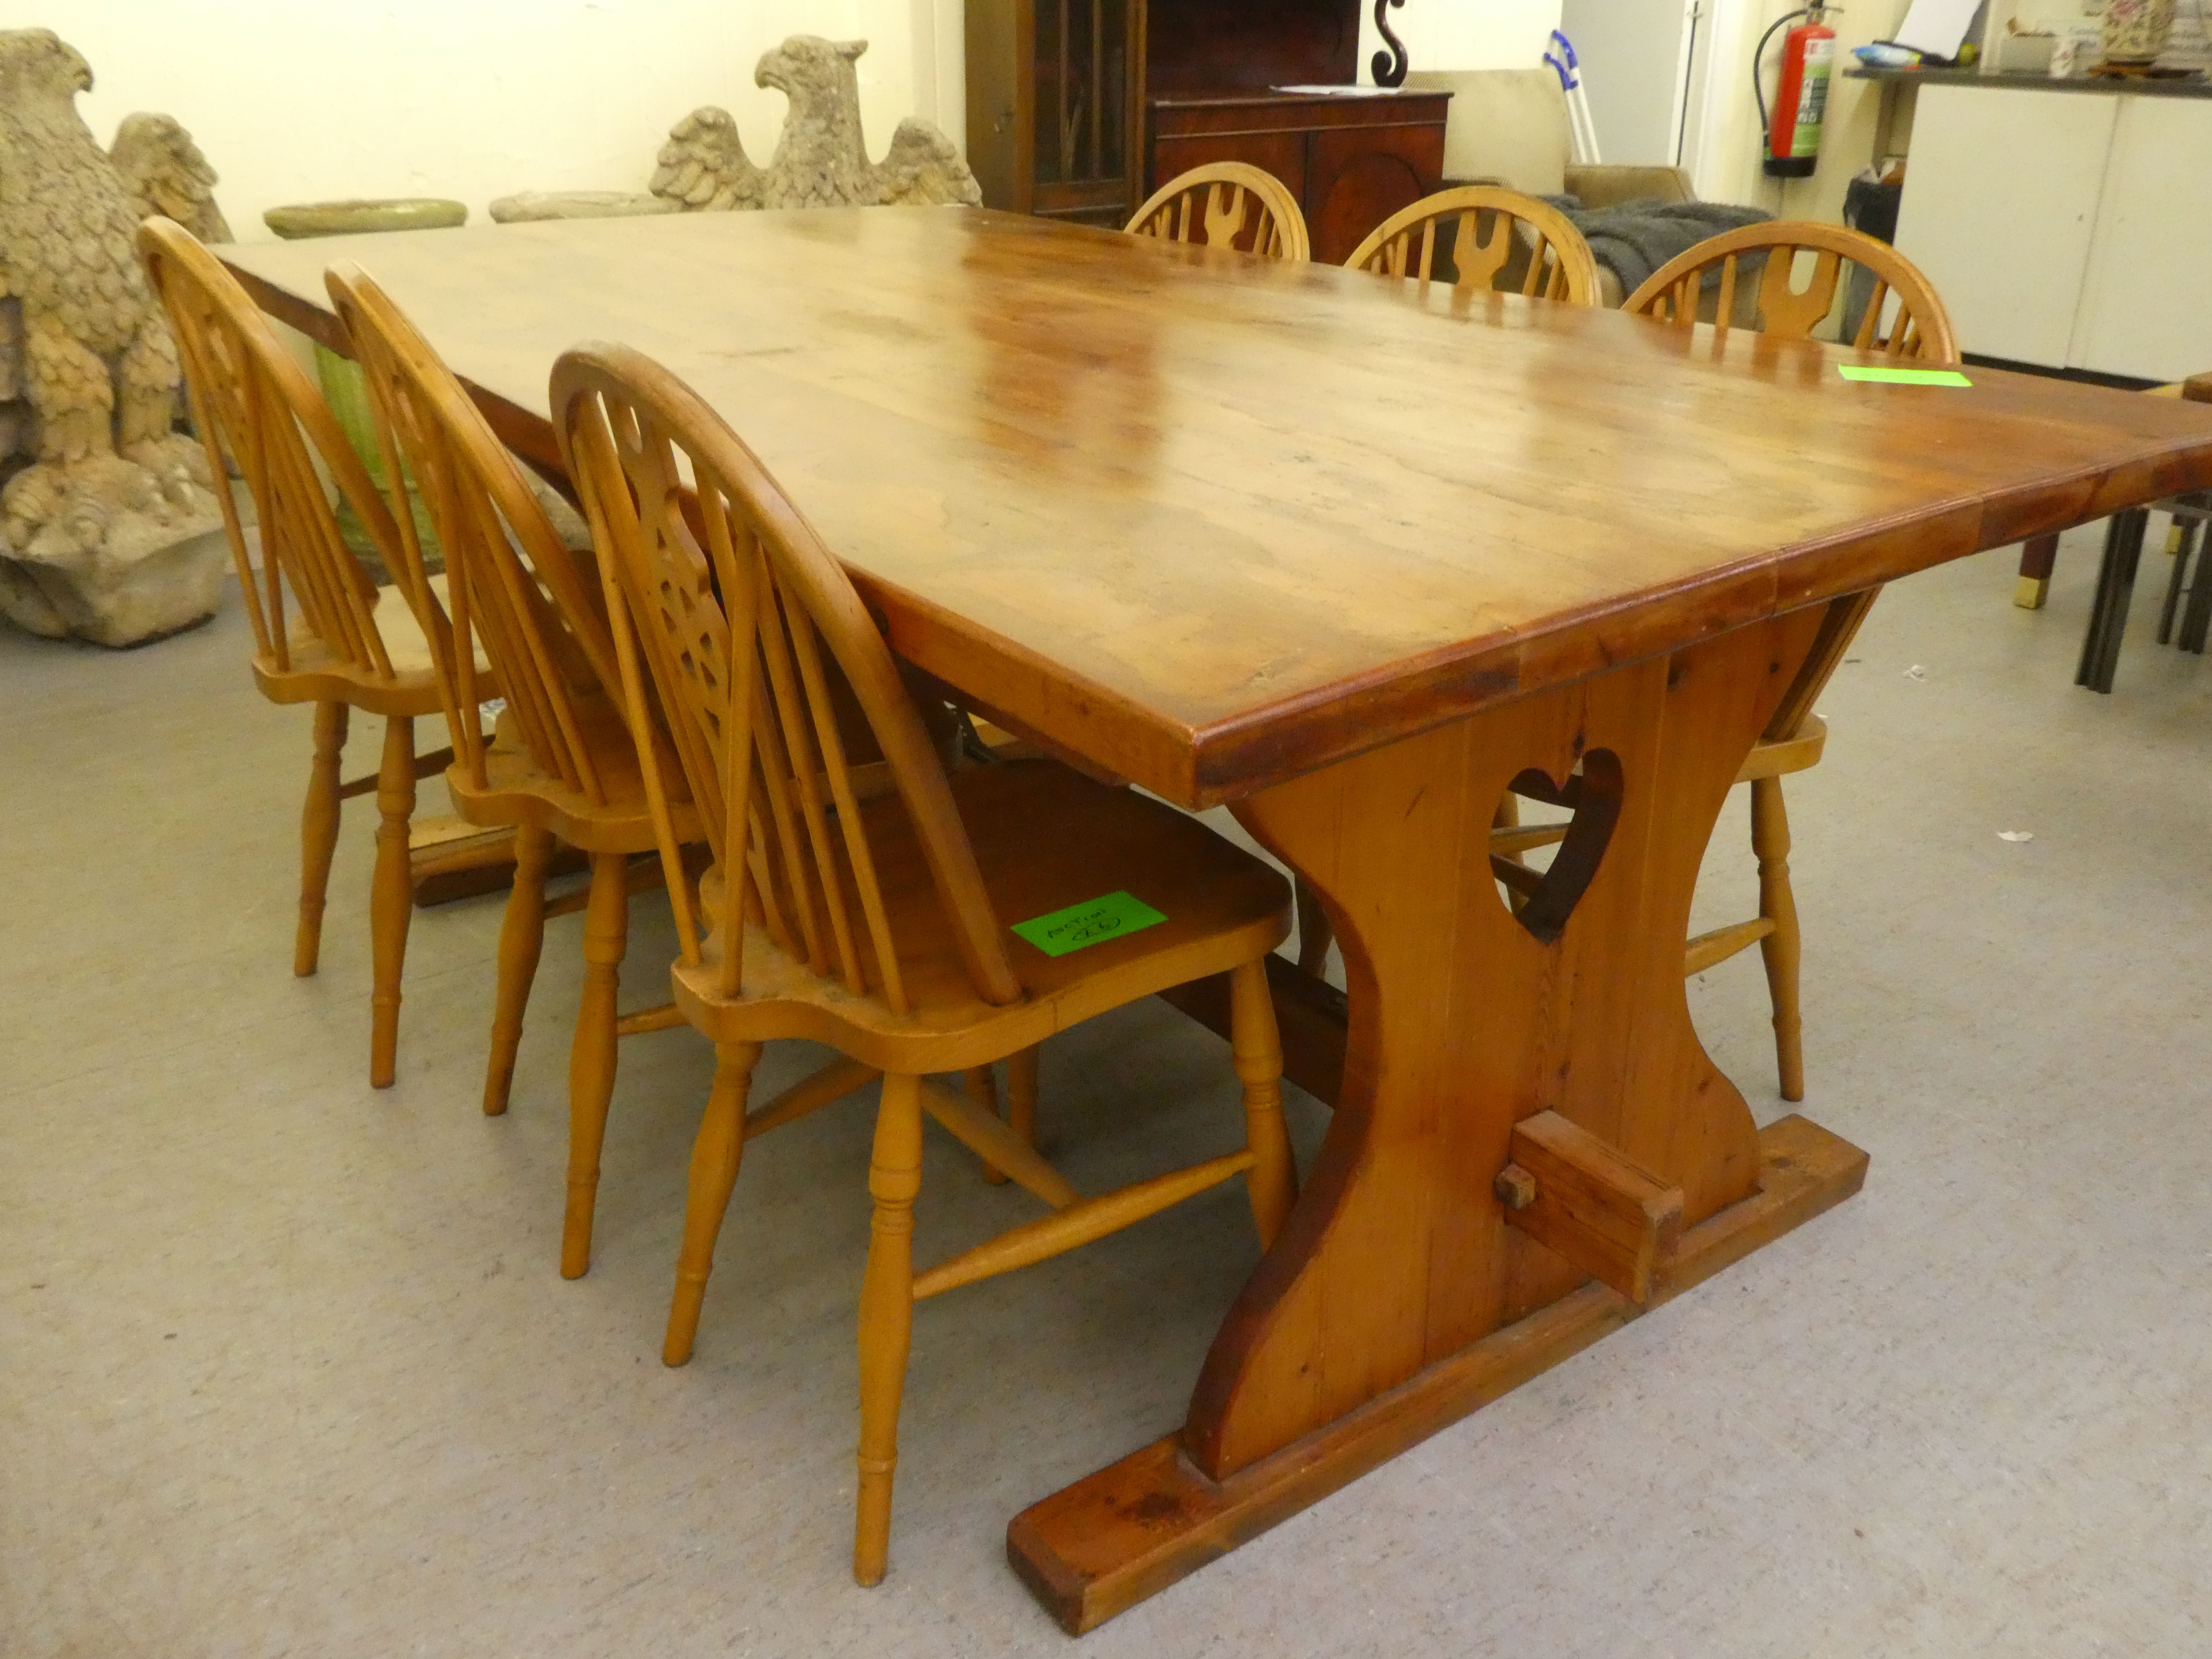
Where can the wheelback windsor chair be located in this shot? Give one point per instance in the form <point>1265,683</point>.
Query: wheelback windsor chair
<point>1501,236</point>
<point>1226,204</point>
<point>340,642</point>
<point>1901,318</point>
<point>561,765</point>
<point>882,924</point>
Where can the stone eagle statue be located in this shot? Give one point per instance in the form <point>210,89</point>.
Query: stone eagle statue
<point>820,160</point>
<point>89,373</point>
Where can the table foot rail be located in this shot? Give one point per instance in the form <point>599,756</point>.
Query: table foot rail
<point>1128,1531</point>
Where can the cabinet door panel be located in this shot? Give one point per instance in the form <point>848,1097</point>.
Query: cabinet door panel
<point>1283,153</point>
<point>1357,177</point>
<point>2143,303</point>
<point>2000,202</point>
<point>1001,95</point>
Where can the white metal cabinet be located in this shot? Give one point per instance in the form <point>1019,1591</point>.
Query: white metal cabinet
<point>2147,294</point>
<point>2001,201</point>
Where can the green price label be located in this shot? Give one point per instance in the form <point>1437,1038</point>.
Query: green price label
<point>1091,922</point>
<point>1903,376</point>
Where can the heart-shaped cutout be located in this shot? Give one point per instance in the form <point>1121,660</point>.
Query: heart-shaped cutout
<point>1546,898</point>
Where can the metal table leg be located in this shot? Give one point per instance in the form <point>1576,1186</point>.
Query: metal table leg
<point>2183,545</point>
<point>2116,586</point>
<point>2197,617</point>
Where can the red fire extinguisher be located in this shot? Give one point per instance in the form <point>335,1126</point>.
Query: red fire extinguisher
<point>1801,93</point>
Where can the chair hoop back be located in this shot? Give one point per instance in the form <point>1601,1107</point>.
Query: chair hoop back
<point>1493,224</point>
<point>1917,326</point>
<point>1227,204</point>
<point>250,398</point>
<point>718,582</point>
<point>513,587</point>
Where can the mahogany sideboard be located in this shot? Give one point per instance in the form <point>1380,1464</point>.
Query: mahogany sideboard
<point>1078,109</point>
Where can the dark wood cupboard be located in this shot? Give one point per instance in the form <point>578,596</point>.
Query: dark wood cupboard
<point>1078,109</point>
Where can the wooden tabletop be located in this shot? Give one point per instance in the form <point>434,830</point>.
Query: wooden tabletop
<point>1212,522</point>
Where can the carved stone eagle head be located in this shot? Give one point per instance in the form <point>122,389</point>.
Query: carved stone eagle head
<point>39,63</point>
<point>807,69</point>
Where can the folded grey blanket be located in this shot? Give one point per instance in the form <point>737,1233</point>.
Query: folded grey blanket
<point>1636,238</point>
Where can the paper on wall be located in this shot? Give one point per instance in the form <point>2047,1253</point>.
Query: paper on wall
<point>1936,26</point>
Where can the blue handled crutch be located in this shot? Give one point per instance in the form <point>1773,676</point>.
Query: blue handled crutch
<point>1580,128</point>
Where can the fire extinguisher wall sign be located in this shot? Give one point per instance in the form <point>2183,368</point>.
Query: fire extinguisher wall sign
<point>1801,93</point>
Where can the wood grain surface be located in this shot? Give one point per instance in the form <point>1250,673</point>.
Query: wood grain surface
<point>1214,522</point>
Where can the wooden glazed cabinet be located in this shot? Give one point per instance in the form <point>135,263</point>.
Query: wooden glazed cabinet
<point>1078,109</point>
<point>1055,112</point>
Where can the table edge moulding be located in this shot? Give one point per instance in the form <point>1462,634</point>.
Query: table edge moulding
<point>2044,474</point>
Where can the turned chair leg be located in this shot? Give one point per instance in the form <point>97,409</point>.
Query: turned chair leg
<point>592,1053</point>
<point>1021,1099</point>
<point>392,895</point>
<point>1770,840</point>
<point>1316,933</point>
<point>521,941</point>
<point>983,1089</point>
<point>1273,1182</point>
<point>319,833</point>
<point>714,1158</point>
<point>886,1316</point>
<point>1022,1093</point>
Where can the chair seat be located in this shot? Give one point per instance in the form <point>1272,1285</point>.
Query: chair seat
<point>1045,838</point>
<point>1775,757</point>
<point>518,791</point>
<point>319,673</point>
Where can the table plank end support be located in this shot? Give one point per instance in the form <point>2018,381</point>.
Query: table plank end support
<point>1128,1531</point>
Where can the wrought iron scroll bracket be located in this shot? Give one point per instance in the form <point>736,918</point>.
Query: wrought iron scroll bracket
<point>1390,66</point>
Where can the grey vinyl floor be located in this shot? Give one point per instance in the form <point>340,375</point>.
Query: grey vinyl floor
<point>286,1367</point>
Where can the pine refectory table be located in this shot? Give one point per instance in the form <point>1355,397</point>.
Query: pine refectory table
<point>1353,555</point>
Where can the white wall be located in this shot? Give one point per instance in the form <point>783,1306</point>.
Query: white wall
<point>1728,167</point>
<point>310,99</point>
<point>1464,34</point>
<point>1513,34</point>
<point>297,100</point>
